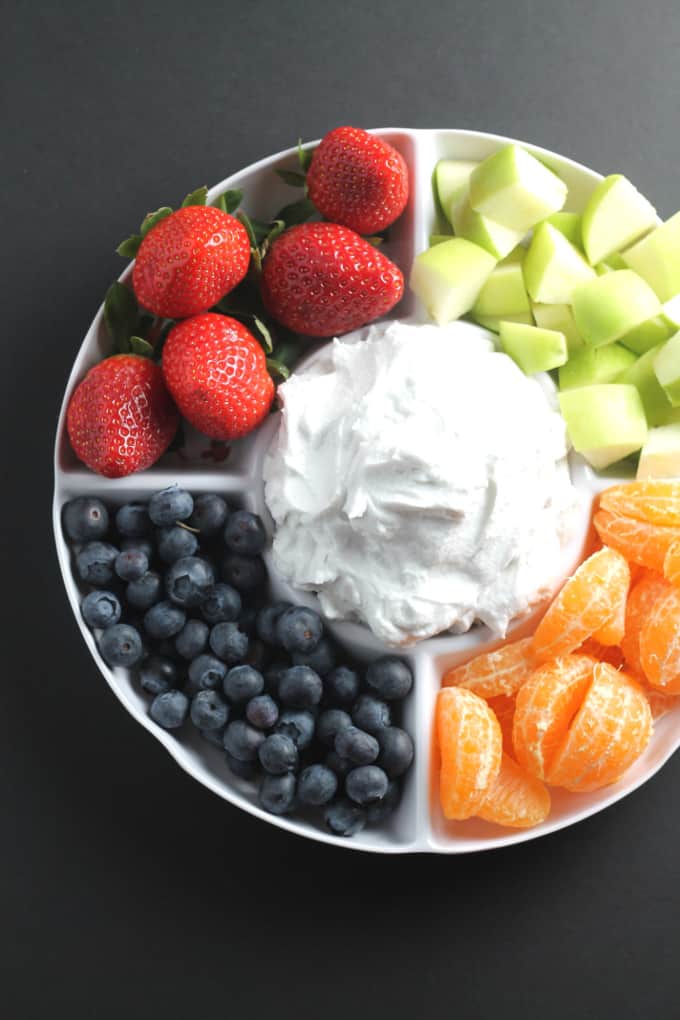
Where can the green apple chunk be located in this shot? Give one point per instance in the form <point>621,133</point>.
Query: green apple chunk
<point>498,240</point>
<point>656,258</point>
<point>569,224</point>
<point>561,318</point>
<point>605,422</point>
<point>449,277</point>
<point>671,312</point>
<point>504,293</point>
<point>608,265</point>
<point>660,456</point>
<point>553,267</point>
<point>515,189</point>
<point>667,369</point>
<point>610,306</point>
<point>648,334</point>
<point>654,400</point>
<point>593,365</point>
<point>451,178</point>
<point>438,238</point>
<point>493,322</point>
<point>615,217</point>
<point>533,349</point>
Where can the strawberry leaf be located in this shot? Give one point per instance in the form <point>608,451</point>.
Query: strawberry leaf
<point>120,314</point>
<point>297,212</point>
<point>376,240</point>
<point>229,201</point>
<point>292,177</point>
<point>138,345</point>
<point>277,368</point>
<point>197,197</point>
<point>304,157</point>
<point>250,230</point>
<point>130,246</point>
<point>152,218</point>
<point>265,335</point>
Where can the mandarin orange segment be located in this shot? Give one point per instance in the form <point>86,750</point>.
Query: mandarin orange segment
<point>642,597</point>
<point>659,703</point>
<point>515,799</point>
<point>589,600</point>
<point>613,630</point>
<point>640,542</point>
<point>602,653</point>
<point>656,501</point>
<point>660,643</point>
<point>503,707</point>
<point>470,743</point>
<point>671,563</point>
<point>545,706</point>
<point>609,732</point>
<point>502,671</point>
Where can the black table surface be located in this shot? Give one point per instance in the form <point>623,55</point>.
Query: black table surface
<point>126,889</point>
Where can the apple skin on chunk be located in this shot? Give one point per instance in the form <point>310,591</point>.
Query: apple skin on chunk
<point>609,306</point>
<point>449,277</point>
<point>553,267</point>
<point>616,216</point>
<point>658,408</point>
<point>660,456</point>
<point>498,240</point>
<point>504,293</point>
<point>667,369</point>
<point>561,318</point>
<point>648,334</point>
<point>533,349</point>
<point>515,189</point>
<point>569,224</point>
<point>593,365</point>
<point>656,258</point>
<point>451,179</point>
<point>605,423</point>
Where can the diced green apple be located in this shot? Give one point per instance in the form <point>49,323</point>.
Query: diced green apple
<point>516,255</point>
<point>608,265</point>
<point>671,311</point>
<point>533,349</point>
<point>561,318</point>
<point>493,322</point>
<point>553,267</point>
<point>449,277</point>
<point>504,293</point>
<point>515,189</point>
<point>616,216</point>
<point>451,179</point>
<point>593,365</point>
<point>605,423</point>
<point>660,457</point>
<point>498,240</point>
<point>438,238</point>
<point>608,307</point>
<point>667,369</point>
<point>654,400</point>
<point>656,258</point>
<point>569,224</point>
<point>648,334</point>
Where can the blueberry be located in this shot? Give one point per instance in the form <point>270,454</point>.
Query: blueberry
<point>242,741</point>
<point>244,533</point>
<point>100,609</point>
<point>396,751</point>
<point>342,685</point>
<point>359,747</point>
<point>158,674</point>
<point>329,724</point>
<point>164,620</point>
<point>242,683</point>
<point>169,709</point>
<point>175,542</point>
<point>335,763</point>
<point>229,643</point>
<point>278,754</point>
<point>376,813</point>
<point>300,687</point>
<point>209,711</point>
<point>95,563</point>
<point>210,513</point>
<point>371,714</point>
<point>132,520</point>
<point>121,645</point>
<point>221,603</point>
<point>390,678</point>
<point>344,818</point>
<point>242,769</point>
<point>192,639</point>
<point>317,784</point>
<point>85,519</point>
<point>366,784</point>
<point>247,620</point>
<point>214,737</point>
<point>131,564</point>
<point>144,593</point>
<point>143,545</point>
<point>266,621</point>
<point>187,581</point>
<point>206,673</point>
<point>277,793</point>
<point>170,505</point>
<point>299,629</point>
<point>273,674</point>
<point>299,726</point>
<point>321,659</point>
<point>262,712</point>
<point>245,573</point>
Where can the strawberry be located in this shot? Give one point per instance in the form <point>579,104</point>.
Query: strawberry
<point>189,260</point>
<point>217,373</point>
<point>321,279</point>
<point>358,180</point>
<point>121,417</point>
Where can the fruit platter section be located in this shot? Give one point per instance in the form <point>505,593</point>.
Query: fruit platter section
<point>365,495</point>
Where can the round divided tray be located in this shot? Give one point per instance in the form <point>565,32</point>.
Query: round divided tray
<point>418,825</point>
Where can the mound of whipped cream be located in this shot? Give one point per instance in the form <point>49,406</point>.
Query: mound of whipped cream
<point>418,482</point>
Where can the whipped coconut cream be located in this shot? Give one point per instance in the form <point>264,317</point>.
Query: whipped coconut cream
<point>418,482</point>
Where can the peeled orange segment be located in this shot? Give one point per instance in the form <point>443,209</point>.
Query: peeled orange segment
<point>602,653</point>
<point>613,630</point>
<point>545,706</point>
<point>516,798</point>
<point>502,671</point>
<point>640,542</point>
<point>609,732</point>
<point>503,708</point>
<point>656,501</point>
<point>643,595</point>
<point>671,563</point>
<point>588,601</point>
<point>659,703</point>
<point>660,643</point>
<point>471,743</point>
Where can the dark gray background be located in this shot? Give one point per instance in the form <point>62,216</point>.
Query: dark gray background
<point>126,889</point>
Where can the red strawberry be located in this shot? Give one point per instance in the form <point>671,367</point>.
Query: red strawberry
<point>321,279</point>
<point>121,418</point>
<point>358,179</point>
<point>189,261</point>
<point>217,373</point>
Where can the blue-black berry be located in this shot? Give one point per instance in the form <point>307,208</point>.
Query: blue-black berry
<point>266,621</point>
<point>164,620</point>
<point>229,643</point>
<point>342,685</point>
<point>242,769</point>
<point>242,741</point>
<point>396,751</point>
<point>244,533</point>
<point>121,645</point>
<point>158,674</point>
<point>210,513</point>
<point>132,520</point>
<point>175,542</point>
<point>299,725</point>
<point>262,712</point>
<point>131,564</point>
<point>146,592</point>
<point>329,724</point>
<point>371,714</point>
<point>100,609</point>
<point>299,629</point>
<point>245,573</point>
<point>344,818</point>
<point>300,687</point>
<point>206,673</point>
<point>359,747</point>
<point>95,563</point>
<point>209,711</point>
<point>376,813</point>
<point>188,580</point>
<point>221,603</point>
<point>277,793</point>
<point>169,709</point>
<point>317,785</point>
<point>391,678</point>
<point>278,754</point>
<point>85,519</point>
<point>192,640</point>
<point>366,785</point>
<point>321,659</point>
<point>242,683</point>
<point>170,505</point>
